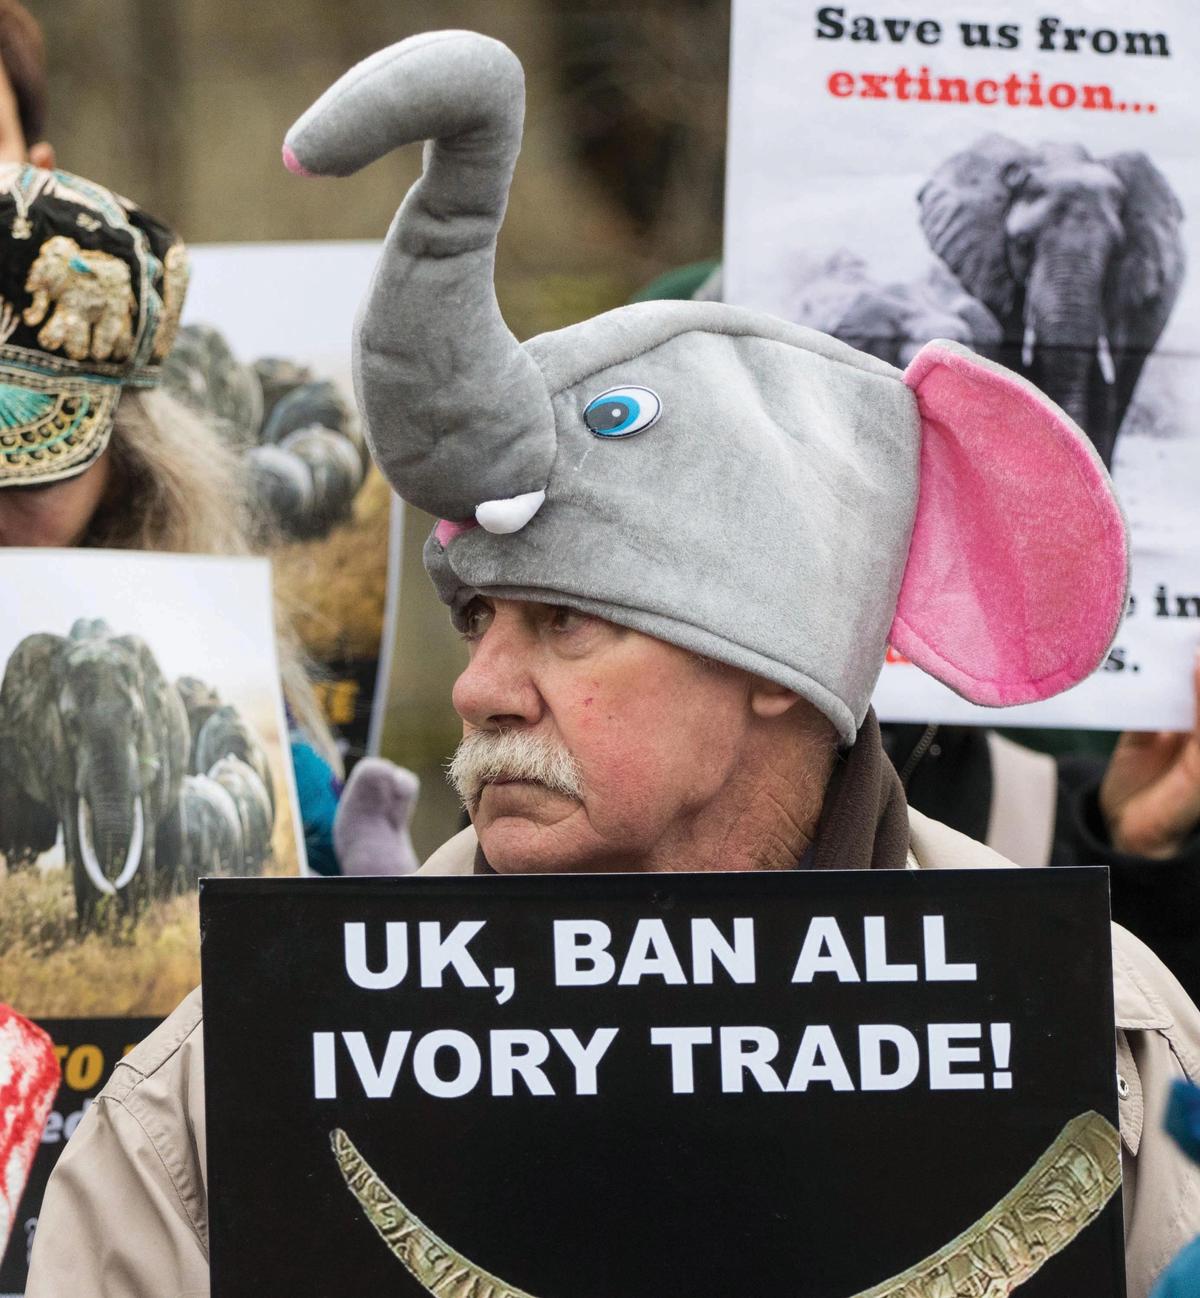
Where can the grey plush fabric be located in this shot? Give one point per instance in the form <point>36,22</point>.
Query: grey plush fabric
<point>763,520</point>
<point>433,355</point>
<point>763,517</point>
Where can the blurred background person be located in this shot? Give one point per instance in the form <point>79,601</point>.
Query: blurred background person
<point>23,89</point>
<point>91,453</point>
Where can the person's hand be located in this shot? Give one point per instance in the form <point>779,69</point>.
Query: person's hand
<point>1150,794</point>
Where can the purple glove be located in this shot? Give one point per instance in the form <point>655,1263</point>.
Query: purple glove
<point>370,830</point>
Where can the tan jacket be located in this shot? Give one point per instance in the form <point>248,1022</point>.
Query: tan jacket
<point>125,1214</point>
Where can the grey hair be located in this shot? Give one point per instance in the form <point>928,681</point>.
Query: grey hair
<point>177,486</point>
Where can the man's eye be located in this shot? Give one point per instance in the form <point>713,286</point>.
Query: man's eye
<point>476,619</point>
<point>567,619</point>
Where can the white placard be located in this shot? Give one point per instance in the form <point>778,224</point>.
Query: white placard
<point>840,117</point>
<point>100,713</point>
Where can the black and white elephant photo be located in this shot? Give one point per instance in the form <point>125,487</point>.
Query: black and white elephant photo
<point>1079,258</point>
<point>96,739</point>
<point>891,320</point>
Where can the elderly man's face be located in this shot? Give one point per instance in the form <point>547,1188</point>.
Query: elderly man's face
<point>648,744</point>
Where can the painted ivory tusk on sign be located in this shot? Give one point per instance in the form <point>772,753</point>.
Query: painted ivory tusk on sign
<point>1060,1195</point>
<point>436,1267</point>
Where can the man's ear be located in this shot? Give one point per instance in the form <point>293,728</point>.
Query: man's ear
<point>42,155</point>
<point>767,699</point>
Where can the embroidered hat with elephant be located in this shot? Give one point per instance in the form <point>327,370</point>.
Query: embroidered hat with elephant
<point>744,488</point>
<point>91,290</point>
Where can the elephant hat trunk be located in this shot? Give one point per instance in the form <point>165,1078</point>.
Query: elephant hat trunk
<point>433,355</point>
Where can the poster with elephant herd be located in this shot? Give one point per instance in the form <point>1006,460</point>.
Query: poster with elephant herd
<point>1023,181</point>
<point>142,745</point>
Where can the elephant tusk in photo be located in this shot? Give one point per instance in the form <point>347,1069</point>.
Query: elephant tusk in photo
<point>1104,356</point>
<point>87,849</point>
<point>133,858</point>
<point>1028,346</point>
<point>1060,1195</point>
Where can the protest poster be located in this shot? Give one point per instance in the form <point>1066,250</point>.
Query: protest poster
<point>142,744</point>
<point>812,1083</point>
<point>1024,183</point>
<point>265,350</point>
<point>86,1051</point>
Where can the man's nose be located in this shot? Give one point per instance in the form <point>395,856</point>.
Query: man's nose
<point>497,688</point>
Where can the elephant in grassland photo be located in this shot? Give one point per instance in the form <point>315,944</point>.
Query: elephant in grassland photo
<point>311,460</point>
<point>277,376</point>
<point>226,733</point>
<point>1080,259</point>
<point>256,815</point>
<point>336,469</point>
<point>282,492</point>
<point>301,444</point>
<point>891,321</point>
<point>27,828</point>
<point>202,372</point>
<point>203,836</point>
<point>299,440</point>
<point>315,403</point>
<point>200,701</point>
<point>97,737</point>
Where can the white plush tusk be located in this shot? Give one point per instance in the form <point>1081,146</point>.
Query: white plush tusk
<point>1104,356</point>
<point>133,858</point>
<point>504,516</point>
<point>1028,345</point>
<point>91,865</point>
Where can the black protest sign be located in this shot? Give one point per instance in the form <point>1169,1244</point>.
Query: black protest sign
<point>844,1085</point>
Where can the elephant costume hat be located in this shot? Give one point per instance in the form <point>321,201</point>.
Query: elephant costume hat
<point>91,290</point>
<point>744,488</point>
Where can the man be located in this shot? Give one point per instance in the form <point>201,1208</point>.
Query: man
<point>1136,809</point>
<point>677,539</point>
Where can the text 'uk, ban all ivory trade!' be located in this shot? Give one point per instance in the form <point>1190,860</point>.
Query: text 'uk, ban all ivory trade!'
<point>449,1063</point>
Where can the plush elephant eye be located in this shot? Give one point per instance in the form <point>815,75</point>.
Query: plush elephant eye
<point>621,412</point>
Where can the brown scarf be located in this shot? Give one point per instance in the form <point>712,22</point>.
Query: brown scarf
<point>864,822</point>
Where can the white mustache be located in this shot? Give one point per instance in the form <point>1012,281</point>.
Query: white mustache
<point>486,755</point>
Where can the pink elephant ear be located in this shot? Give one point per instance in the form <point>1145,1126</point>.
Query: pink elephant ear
<point>1018,566</point>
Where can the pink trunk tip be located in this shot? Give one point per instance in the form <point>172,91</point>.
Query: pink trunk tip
<point>446,530</point>
<point>293,163</point>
